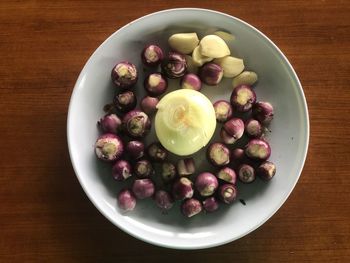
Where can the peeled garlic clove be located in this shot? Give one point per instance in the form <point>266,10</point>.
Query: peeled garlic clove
<point>198,59</point>
<point>225,35</point>
<point>184,42</point>
<point>246,77</point>
<point>214,47</point>
<point>191,65</point>
<point>232,66</point>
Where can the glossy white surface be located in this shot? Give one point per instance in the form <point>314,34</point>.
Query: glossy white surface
<point>278,84</point>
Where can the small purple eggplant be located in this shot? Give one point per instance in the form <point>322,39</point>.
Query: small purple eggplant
<point>121,170</point>
<point>223,110</point>
<point>227,193</point>
<point>242,98</point>
<point>191,81</point>
<point>135,149</point>
<point>149,105</point>
<point>143,188</point>
<point>206,184</point>
<point>182,189</point>
<point>109,147</point>
<point>210,204</point>
<point>168,172</point>
<point>126,200</point>
<point>163,200</point>
<point>174,65</point>
<point>143,169</point>
<point>124,75</point>
<point>125,101</point>
<point>227,175</point>
<point>136,123</point>
<point>211,73</point>
<point>258,149</point>
<point>186,167</point>
<point>266,170</point>
<point>246,173</point>
<point>218,154</point>
<point>253,128</point>
<point>110,123</point>
<point>155,84</point>
<point>263,112</point>
<point>191,207</point>
<point>152,55</point>
<point>157,152</point>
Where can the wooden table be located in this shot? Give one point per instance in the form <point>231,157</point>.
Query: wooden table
<point>44,214</point>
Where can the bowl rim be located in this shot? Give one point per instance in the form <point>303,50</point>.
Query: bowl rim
<point>194,246</point>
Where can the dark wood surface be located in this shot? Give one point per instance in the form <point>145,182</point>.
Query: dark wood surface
<point>44,214</point>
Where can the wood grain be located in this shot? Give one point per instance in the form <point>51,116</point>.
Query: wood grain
<point>45,215</point>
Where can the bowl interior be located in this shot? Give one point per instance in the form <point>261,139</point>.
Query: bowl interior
<point>277,84</point>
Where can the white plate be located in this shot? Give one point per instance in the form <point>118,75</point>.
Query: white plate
<point>278,83</point>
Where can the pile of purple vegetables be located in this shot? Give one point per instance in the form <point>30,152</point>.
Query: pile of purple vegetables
<point>243,119</point>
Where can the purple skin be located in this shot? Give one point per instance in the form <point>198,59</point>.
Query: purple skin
<point>135,149</point>
<point>206,184</point>
<point>163,200</point>
<point>218,154</point>
<point>125,101</point>
<point>149,105</point>
<point>143,169</point>
<point>237,154</point>
<point>266,170</point>
<point>211,74</point>
<point>157,152</point>
<point>227,193</point>
<point>253,128</point>
<point>143,188</point>
<point>155,84</point>
<point>121,170</point>
<point>168,172</point>
<point>191,81</point>
<point>227,175</point>
<point>258,149</point>
<point>126,200</point>
<point>109,147</point>
<point>235,128</point>
<point>186,167</point>
<point>246,173</point>
<point>263,112</point>
<point>152,55</point>
<point>136,123</point>
<point>191,207</point>
<point>226,138</point>
<point>174,65</point>
<point>223,110</point>
<point>210,204</point>
<point>110,123</point>
<point>182,189</point>
<point>242,98</point>
<point>124,75</point>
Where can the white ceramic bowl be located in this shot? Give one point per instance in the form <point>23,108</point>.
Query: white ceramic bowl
<point>278,83</point>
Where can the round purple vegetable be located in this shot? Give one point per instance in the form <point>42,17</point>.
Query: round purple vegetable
<point>186,167</point>
<point>206,184</point>
<point>125,101</point>
<point>174,65</point>
<point>232,130</point>
<point>126,200</point>
<point>135,149</point>
<point>266,170</point>
<point>124,74</point>
<point>210,204</point>
<point>136,123</point>
<point>263,112</point>
<point>155,84</point>
<point>152,55</point>
<point>227,193</point>
<point>163,200</point>
<point>253,128</point>
<point>211,73</point>
<point>109,147</point>
<point>258,149</point>
<point>191,81</point>
<point>191,207</point>
<point>227,175</point>
<point>143,188</point>
<point>246,173</point>
<point>168,172</point>
<point>110,123</point>
<point>121,170</point>
<point>157,152</point>
<point>182,189</point>
<point>149,105</point>
<point>143,169</point>
<point>218,154</point>
<point>237,155</point>
<point>242,98</point>
<point>223,110</point>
